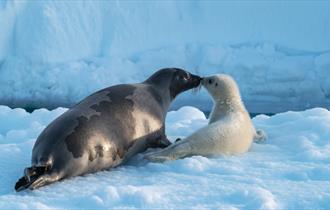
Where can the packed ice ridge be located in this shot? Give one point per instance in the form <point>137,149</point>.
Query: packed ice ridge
<point>54,53</point>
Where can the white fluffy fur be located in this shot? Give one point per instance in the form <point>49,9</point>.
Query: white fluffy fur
<point>230,129</point>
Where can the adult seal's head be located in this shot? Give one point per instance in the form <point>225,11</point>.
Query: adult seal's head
<point>106,129</point>
<point>175,80</point>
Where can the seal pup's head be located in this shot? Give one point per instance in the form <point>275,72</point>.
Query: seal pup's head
<point>174,80</point>
<point>222,88</point>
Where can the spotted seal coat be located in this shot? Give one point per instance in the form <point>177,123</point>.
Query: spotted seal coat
<point>106,128</point>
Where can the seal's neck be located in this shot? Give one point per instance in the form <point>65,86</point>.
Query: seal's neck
<point>162,96</point>
<point>223,107</point>
<point>167,99</point>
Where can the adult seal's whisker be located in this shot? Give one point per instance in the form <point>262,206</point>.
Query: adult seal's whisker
<point>195,90</point>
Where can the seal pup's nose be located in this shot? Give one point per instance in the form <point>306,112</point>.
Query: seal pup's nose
<point>203,79</point>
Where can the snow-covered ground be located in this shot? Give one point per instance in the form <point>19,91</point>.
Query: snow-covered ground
<point>291,170</point>
<point>54,53</point>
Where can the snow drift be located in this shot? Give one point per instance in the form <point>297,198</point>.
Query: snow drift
<point>57,52</point>
<point>289,171</point>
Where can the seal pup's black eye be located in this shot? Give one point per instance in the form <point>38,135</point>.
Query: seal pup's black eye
<point>210,81</point>
<point>216,84</point>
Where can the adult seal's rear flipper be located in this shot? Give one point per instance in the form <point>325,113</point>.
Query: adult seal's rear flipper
<point>34,177</point>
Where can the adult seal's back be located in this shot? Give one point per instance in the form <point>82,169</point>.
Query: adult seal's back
<point>106,128</point>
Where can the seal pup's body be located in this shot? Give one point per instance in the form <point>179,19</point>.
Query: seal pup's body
<point>105,129</point>
<point>230,129</point>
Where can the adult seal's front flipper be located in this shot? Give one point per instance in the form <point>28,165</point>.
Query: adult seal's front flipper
<point>160,142</point>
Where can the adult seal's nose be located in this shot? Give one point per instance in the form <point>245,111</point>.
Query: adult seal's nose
<point>196,78</point>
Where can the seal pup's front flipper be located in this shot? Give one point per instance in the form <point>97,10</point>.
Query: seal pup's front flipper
<point>177,140</point>
<point>173,152</point>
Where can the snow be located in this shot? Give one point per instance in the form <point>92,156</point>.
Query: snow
<point>55,53</point>
<point>289,171</point>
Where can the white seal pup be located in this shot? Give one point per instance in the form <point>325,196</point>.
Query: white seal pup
<point>230,130</point>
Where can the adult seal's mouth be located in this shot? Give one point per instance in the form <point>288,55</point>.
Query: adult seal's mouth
<point>195,80</point>
<point>196,83</point>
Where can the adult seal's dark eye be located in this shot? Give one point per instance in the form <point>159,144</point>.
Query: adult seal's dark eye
<point>210,81</point>
<point>181,77</point>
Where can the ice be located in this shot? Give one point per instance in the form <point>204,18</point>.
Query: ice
<point>289,171</point>
<point>55,53</point>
